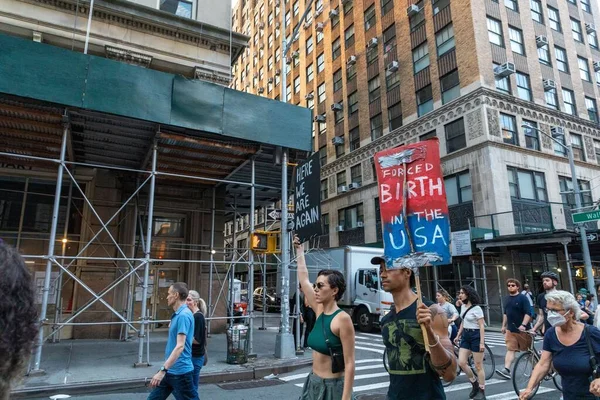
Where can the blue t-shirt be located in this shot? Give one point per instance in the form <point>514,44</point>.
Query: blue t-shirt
<point>573,363</point>
<point>515,308</point>
<point>411,376</point>
<point>182,323</point>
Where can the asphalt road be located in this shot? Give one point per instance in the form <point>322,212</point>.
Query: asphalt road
<point>371,380</point>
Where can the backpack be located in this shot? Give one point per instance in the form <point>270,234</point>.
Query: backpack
<point>458,321</point>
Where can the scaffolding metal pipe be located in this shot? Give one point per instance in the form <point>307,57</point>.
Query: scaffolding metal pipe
<point>215,180</point>
<point>147,251</point>
<point>251,259</point>
<point>485,291</point>
<point>22,217</point>
<point>568,261</point>
<point>264,280</point>
<point>51,243</point>
<point>89,26</point>
<point>133,277</point>
<point>232,265</point>
<point>212,255</point>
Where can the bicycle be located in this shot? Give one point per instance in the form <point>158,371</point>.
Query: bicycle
<point>489,364</point>
<point>524,366</point>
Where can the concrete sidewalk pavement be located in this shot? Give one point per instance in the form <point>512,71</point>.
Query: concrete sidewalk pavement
<point>85,366</point>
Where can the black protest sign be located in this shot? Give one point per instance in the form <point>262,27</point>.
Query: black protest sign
<point>307,212</point>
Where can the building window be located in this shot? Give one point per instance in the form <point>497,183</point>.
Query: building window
<point>577,147</point>
<point>554,19</point>
<point>439,5</point>
<point>419,19</point>
<point>348,6</point>
<point>527,185</point>
<point>428,135</point>
<point>309,73</point>
<point>502,83</point>
<point>590,105</point>
<point>569,101</point>
<point>349,36</point>
<point>310,102</point>
<point>495,32</point>
<point>374,89</point>
<point>323,155</point>
<point>376,127</point>
<point>532,140</point>
<point>353,103</point>
<point>386,5</point>
<point>321,93</point>
<point>372,55</point>
<point>335,19</point>
<point>336,48</point>
<point>320,62</point>
<point>177,7</point>
<point>340,178</point>
<point>309,45</point>
<point>585,6</point>
<point>389,42</point>
<point>450,86</point>
<point>512,4</point>
<point>324,190</point>
<point>544,55</point>
<point>523,86</point>
<point>568,196</point>
<point>337,80</point>
<point>325,224</point>
<point>576,28</point>
<point>395,116</point>
<point>351,217</point>
<point>593,40</point>
<point>508,124</point>
<point>584,69</point>
<point>288,94</point>
<point>558,149</point>
<point>516,40</point>
<point>424,100</point>
<point>551,98</point>
<point>370,17</point>
<point>297,85</point>
<point>354,135</point>
<point>340,150</point>
<point>421,58</point>
<point>536,11</point>
<point>350,72</point>
<point>392,79</point>
<point>562,63</point>
<point>288,18</point>
<point>455,135</point>
<point>339,114</point>
<point>597,150</point>
<point>356,174</point>
<point>444,40</point>
<point>458,188</point>
<point>296,8</point>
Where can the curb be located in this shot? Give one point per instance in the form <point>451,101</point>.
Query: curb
<point>122,384</point>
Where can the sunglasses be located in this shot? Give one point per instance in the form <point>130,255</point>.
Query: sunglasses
<point>319,285</point>
<point>511,285</point>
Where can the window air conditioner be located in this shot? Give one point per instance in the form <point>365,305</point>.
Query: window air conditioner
<point>336,107</point>
<point>504,70</point>
<point>307,25</point>
<point>412,10</point>
<point>557,131</point>
<point>596,66</point>
<point>549,84</point>
<point>337,141</point>
<point>354,185</point>
<point>340,228</point>
<point>342,189</point>
<point>360,224</point>
<point>333,14</point>
<point>320,118</point>
<point>351,60</point>
<point>270,80</point>
<point>309,96</point>
<point>541,41</point>
<point>393,66</point>
<point>589,28</point>
<point>372,43</point>
<point>261,90</point>
<point>320,27</point>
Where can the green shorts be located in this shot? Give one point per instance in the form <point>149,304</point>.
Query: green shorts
<point>316,388</point>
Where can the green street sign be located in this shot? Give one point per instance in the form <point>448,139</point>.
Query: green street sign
<point>586,216</point>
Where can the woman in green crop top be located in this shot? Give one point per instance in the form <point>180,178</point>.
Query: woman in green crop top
<point>333,326</point>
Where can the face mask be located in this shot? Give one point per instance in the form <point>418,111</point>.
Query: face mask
<point>556,319</point>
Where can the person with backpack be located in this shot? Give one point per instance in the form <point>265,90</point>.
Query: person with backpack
<point>572,347</point>
<point>471,339</point>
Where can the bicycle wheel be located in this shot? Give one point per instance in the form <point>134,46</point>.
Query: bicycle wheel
<point>557,380</point>
<point>489,364</point>
<point>522,372</point>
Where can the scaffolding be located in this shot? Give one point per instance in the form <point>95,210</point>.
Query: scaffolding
<point>241,170</point>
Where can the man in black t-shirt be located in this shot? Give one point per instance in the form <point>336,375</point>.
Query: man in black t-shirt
<point>414,374</point>
<point>549,281</point>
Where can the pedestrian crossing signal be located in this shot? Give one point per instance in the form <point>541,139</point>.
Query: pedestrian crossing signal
<point>264,242</point>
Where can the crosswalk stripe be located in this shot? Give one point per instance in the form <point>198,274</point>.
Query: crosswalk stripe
<point>367,360</point>
<point>371,334</point>
<point>462,386</point>
<point>370,387</point>
<point>370,344</point>
<point>512,395</point>
<point>305,374</point>
<point>369,338</point>
<point>369,349</point>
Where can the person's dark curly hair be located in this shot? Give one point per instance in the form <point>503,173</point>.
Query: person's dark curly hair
<point>472,295</point>
<point>335,279</point>
<point>18,317</point>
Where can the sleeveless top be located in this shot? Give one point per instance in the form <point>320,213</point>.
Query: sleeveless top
<point>316,340</point>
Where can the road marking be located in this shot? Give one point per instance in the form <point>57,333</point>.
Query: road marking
<point>380,339</point>
<point>370,344</point>
<point>371,334</point>
<point>462,386</point>
<point>512,395</point>
<point>305,374</point>
<point>369,349</point>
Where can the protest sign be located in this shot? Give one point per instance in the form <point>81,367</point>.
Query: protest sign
<point>414,210</point>
<point>307,211</point>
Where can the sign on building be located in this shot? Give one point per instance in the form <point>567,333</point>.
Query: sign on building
<point>414,210</point>
<point>307,210</point>
<point>461,243</point>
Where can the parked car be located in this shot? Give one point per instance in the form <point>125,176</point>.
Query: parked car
<point>271,298</point>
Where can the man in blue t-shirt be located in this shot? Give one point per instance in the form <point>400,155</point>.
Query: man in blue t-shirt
<point>414,374</point>
<point>176,374</point>
<point>515,323</point>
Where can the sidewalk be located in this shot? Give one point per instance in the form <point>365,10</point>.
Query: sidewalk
<point>85,366</point>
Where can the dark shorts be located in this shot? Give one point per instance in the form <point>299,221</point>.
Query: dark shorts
<point>470,340</point>
<point>316,388</point>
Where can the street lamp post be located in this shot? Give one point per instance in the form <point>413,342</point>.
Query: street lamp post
<point>585,249</point>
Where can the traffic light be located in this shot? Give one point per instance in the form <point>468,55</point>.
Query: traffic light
<point>264,242</point>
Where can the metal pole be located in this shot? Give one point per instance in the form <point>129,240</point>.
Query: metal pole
<point>89,26</point>
<point>233,259</point>
<point>500,289</point>
<point>485,291</point>
<point>435,278</point>
<point>264,280</point>
<point>299,348</point>
<point>251,261</point>
<point>284,343</point>
<point>568,261</point>
<point>212,255</point>
<point>582,231</point>
<point>51,243</point>
<point>22,217</point>
<point>132,278</point>
<point>147,251</point>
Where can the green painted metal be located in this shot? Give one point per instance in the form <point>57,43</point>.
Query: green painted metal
<point>587,216</point>
<point>44,72</point>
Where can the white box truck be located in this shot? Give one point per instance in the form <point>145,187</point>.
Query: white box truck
<point>364,299</point>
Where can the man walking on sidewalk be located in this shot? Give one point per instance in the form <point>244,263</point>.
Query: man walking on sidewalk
<point>176,374</point>
<point>549,282</point>
<point>515,323</point>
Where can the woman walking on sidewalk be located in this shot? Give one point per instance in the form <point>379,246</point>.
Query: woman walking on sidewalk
<point>199,356</point>
<point>471,337</point>
<point>332,338</point>
<point>443,299</point>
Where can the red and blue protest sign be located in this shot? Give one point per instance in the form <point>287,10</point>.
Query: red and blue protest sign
<point>414,210</point>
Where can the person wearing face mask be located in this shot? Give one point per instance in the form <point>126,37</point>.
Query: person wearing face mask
<point>566,347</point>
<point>332,337</point>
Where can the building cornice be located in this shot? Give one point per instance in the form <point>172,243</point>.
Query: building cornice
<point>156,22</point>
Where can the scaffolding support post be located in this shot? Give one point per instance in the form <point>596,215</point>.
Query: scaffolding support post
<point>212,255</point>
<point>54,225</point>
<point>264,280</point>
<point>251,263</point>
<point>485,291</point>
<point>147,256</point>
<point>284,342</point>
<point>568,262</point>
